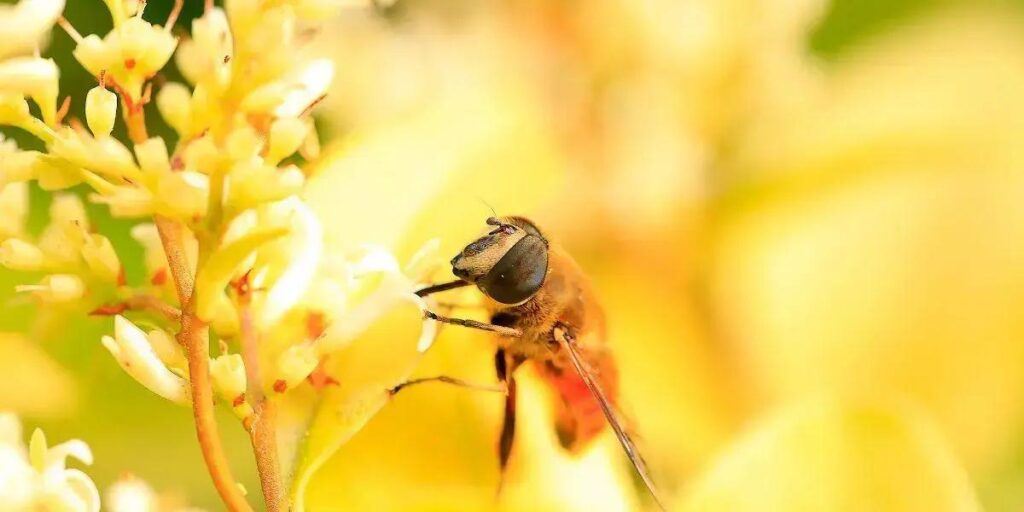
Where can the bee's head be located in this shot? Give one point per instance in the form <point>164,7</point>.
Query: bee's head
<point>508,264</point>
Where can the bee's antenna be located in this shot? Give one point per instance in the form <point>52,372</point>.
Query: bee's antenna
<point>488,205</point>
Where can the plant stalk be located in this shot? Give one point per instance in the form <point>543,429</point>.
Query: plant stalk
<point>194,337</point>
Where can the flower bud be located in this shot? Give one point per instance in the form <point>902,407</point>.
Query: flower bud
<point>286,135</point>
<point>183,194</point>
<point>203,155</point>
<point>228,374</point>
<point>62,239</point>
<point>100,111</point>
<point>37,450</point>
<point>167,348</point>
<point>174,101</point>
<point>20,255</point>
<point>152,157</point>
<point>252,183</point>
<point>212,49</point>
<point>56,288</point>
<point>296,363</point>
<point>243,143</point>
<point>101,258</point>
<point>131,348</point>
<point>13,209</point>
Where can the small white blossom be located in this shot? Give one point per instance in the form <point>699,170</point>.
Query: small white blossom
<point>133,351</point>
<point>129,54</point>
<point>132,494</point>
<point>228,374</point>
<point>56,288</point>
<point>37,478</point>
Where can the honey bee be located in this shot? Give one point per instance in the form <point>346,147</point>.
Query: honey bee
<point>543,311</point>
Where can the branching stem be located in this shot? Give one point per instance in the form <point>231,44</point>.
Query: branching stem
<point>194,337</point>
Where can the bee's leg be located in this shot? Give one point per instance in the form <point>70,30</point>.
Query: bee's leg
<point>455,381</point>
<point>437,288</point>
<point>473,324</point>
<point>504,366</point>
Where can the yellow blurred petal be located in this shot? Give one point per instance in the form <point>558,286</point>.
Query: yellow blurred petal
<point>340,418</point>
<point>826,455</point>
<point>880,246</point>
<point>31,383</point>
<point>378,360</point>
<point>434,173</point>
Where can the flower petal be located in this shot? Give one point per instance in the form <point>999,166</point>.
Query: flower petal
<point>132,350</point>
<point>306,244</point>
<point>221,266</point>
<point>824,454</point>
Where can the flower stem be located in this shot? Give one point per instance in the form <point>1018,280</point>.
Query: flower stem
<point>194,338</point>
<point>263,431</point>
<point>264,445</point>
<point>143,302</point>
<point>135,119</point>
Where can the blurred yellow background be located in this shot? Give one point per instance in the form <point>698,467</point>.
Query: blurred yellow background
<point>806,220</point>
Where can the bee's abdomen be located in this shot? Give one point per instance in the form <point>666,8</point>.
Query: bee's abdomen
<point>578,416</point>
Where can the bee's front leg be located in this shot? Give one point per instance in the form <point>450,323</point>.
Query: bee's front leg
<point>454,381</point>
<point>473,324</point>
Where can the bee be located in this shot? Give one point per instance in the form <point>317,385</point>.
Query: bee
<point>543,311</point>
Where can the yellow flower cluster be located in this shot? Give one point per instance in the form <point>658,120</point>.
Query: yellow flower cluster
<point>233,252</point>
<point>244,112</point>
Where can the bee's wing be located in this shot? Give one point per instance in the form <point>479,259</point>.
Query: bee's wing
<point>567,341</point>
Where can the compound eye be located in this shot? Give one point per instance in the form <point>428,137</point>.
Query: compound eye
<point>519,273</point>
